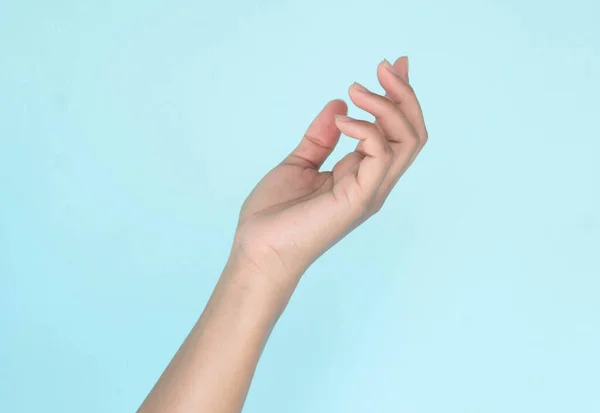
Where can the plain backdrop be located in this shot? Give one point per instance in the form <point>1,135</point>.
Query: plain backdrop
<point>131,132</point>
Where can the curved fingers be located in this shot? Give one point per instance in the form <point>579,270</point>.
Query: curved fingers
<point>320,138</point>
<point>403,95</point>
<point>376,149</point>
<point>393,123</point>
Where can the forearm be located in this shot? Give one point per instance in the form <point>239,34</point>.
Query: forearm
<point>212,370</point>
<point>294,214</point>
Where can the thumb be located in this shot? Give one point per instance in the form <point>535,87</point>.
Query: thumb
<point>320,138</point>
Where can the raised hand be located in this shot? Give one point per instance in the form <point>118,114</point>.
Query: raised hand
<point>296,212</point>
<point>292,216</point>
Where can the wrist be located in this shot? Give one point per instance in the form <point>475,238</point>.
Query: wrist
<point>257,255</point>
<point>264,280</point>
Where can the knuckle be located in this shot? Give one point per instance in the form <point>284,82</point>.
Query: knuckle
<point>378,205</point>
<point>413,141</point>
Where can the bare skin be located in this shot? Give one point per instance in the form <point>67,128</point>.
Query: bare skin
<point>293,215</point>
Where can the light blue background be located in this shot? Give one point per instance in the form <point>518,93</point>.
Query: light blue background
<point>130,133</point>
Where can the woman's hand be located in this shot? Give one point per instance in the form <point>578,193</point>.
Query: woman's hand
<point>297,212</point>
<point>292,216</point>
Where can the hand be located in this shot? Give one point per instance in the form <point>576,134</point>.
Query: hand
<point>294,214</point>
<point>297,212</point>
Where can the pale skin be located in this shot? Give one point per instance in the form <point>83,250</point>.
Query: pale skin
<point>293,215</point>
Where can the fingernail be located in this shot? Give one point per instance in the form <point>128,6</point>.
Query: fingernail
<point>389,67</point>
<point>343,118</point>
<point>360,87</point>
